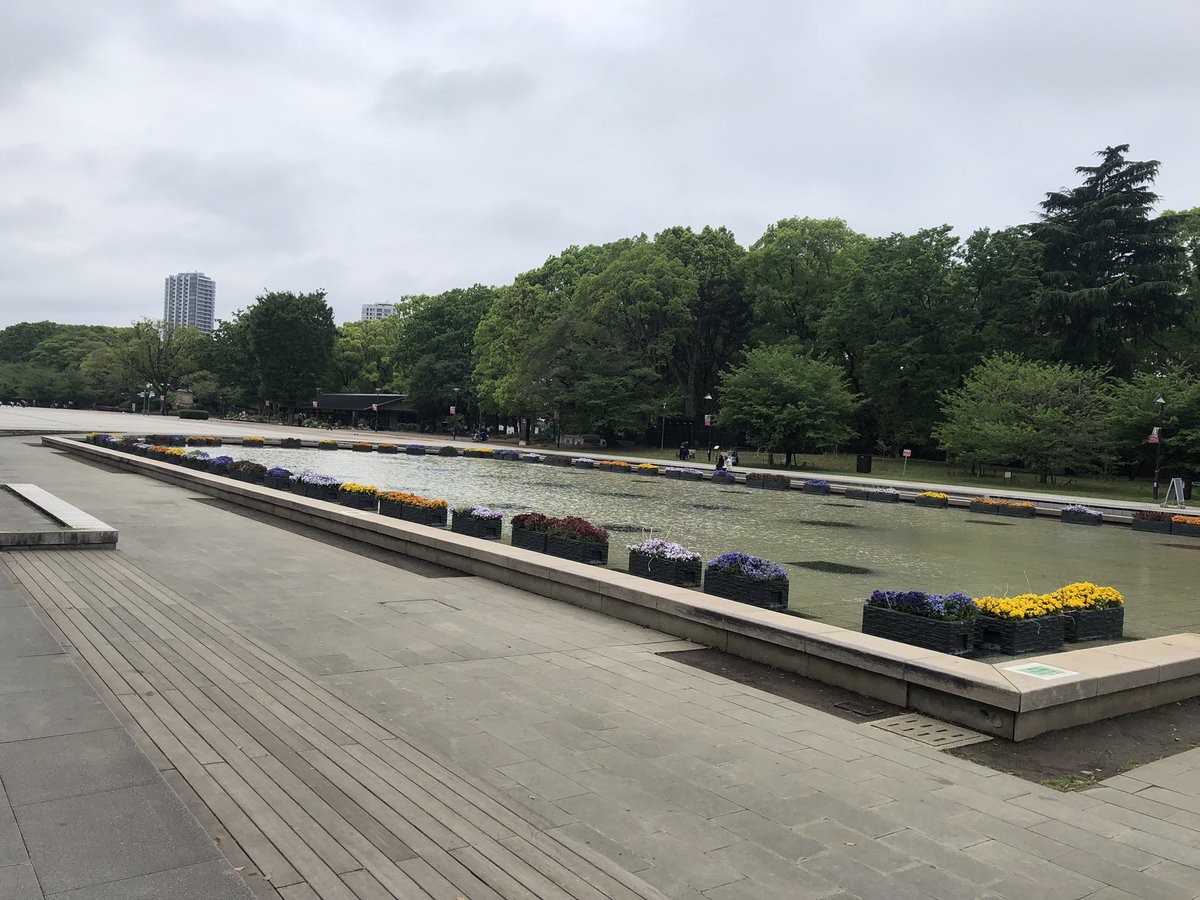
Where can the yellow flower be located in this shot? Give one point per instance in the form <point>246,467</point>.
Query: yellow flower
<point>412,500</point>
<point>1023,606</point>
<point>934,495</point>
<point>350,487</point>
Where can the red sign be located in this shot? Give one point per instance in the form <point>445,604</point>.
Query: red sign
<point>707,421</point>
<point>907,453</point>
<point>1154,438</point>
<point>454,410</point>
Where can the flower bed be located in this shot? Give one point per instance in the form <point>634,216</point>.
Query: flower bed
<point>1076,514</point>
<point>1092,613</point>
<point>768,481</point>
<point>1156,521</point>
<point>251,441</point>
<point>532,457</point>
<point>583,462</point>
<point>447,451</point>
<point>680,474</point>
<point>478,521</point>
<point>555,460</point>
<point>219,465</point>
<point>196,459</point>
<point>614,465</point>
<point>166,440</point>
<point>815,486</point>
<point>278,478</point>
<point>327,444</point>
<point>415,449</point>
<point>1188,526</point>
<point>665,562</point>
<point>747,579</point>
<point>479,453</point>
<point>645,469</point>
<point>1027,623</point>
<point>358,496</point>
<point>362,447</point>
<point>723,478</point>
<point>568,538</point>
<point>1018,509</point>
<point>936,622</point>
<point>529,531</point>
<point>317,487</point>
<point>245,470</point>
<point>985,505</point>
<point>876,495</point>
<point>413,508</point>
<point>932,499</point>
<point>291,442</point>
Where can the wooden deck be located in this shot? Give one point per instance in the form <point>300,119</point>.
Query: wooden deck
<point>308,795</point>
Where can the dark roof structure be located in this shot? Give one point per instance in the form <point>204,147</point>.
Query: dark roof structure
<point>362,402</point>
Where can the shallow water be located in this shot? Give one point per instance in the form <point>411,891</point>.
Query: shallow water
<point>836,552</point>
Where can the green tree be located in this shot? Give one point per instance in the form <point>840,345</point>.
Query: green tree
<point>1114,274</point>
<point>158,354</point>
<point>291,338</point>
<point>366,355</point>
<point>1135,414</point>
<point>788,402</point>
<point>18,341</point>
<point>1003,272</point>
<point>1047,417</point>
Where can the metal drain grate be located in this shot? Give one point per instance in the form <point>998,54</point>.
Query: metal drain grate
<point>930,732</point>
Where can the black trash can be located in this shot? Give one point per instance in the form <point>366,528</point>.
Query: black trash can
<point>864,464</point>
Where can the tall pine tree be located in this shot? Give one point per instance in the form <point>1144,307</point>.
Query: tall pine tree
<point>1114,274</point>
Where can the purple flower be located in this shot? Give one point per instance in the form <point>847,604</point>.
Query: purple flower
<point>478,512</point>
<point>747,566</point>
<point>818,482</point>
<point>950,607</point>
<point>279,472</point>
<point>664,550</point>
<point>1080,508</point>
<point>316,480</point>
<point>221,460</point>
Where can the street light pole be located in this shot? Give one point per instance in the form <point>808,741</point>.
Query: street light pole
<point>708,422</point>
<point>1160,403</point>
<point>662,429</point>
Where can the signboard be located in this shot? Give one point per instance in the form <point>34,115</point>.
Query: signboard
<point>454,410</point>
<point>374,407</point>
<point>314,404</point>
<point>1040,670</point>
<point>707,421</point>
<point>1154,438</point>
<point>907,453</point>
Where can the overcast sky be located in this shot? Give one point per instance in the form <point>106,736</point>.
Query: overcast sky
<point>376,148</point>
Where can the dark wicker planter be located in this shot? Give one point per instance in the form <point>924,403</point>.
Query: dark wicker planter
<point>767,484</point>
<point>448,451</point>
<point>1153,526</point>
<point>321,492</point>
<point>646,472</point>
<point>248,477</point>
<point>723,479</point>
<point>328,447</point>
<point>987,509</point>
<point>679,572</point>
<point>507,455</point>
<point>932,502</point>
<point>1012,636</point>
<point>808,488</point>
<point>387,448</point>
<point>764,594</point>
<point>1078,518</point>
<point>955,638</point>
<point>292,443</point>
<point>529,540</point>
<point>556,460</point>
<point>583,464</point>
<point>423,515</point>
<point>362,449</point>
<point>1186,529</point>
<point>873,496</point>
<point>591,552</point>
<point>1094,624</point>
<point>278,482</point>
<point>619,470</point>
<point>689,475</point>
<point>487,529</point>
<point>415,451</point>
<point>355,500</point>
<point>1018,512</point>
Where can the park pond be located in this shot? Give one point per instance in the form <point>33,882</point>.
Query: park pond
<point>836,551</point>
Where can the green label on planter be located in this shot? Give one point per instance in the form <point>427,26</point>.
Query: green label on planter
<point>1040,670</point>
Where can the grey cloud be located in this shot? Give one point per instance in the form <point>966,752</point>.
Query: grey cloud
<point>32,215</point>
<point>421,94</point>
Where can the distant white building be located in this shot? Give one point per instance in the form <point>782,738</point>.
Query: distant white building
<point>189,298</point>
<point>374,311</point>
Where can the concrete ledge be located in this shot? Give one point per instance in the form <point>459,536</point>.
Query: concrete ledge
<point>1100,682</point>
<point>78,528</point>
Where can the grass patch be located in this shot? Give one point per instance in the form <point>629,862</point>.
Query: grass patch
<point>1074,781</point>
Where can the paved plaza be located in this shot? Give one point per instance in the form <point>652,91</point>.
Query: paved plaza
<point>344,723</point>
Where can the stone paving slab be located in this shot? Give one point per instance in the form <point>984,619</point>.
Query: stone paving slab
<point>673,757</point>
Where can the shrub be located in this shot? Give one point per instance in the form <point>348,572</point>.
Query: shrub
<point>747,566</point>
<point>193,414</point>
<point>956,607</point>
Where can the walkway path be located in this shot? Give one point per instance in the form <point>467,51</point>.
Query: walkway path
<point>356,725</point>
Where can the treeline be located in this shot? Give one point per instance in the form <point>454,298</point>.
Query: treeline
<point>815,336</point>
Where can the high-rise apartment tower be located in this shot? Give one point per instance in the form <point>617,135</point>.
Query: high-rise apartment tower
<point>189,299</point>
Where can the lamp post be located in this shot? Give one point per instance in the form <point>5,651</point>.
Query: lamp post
<point>708,422</point>
<point>1160,403</point>
<point>375,407</point>
<point>662,429</point>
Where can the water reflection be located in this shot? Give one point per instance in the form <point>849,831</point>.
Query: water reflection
<point>862,546</point>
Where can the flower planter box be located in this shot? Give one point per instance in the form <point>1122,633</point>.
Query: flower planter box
<point>591,552</point>
<point>1152,525</point>
<point>1081,518</point>
<point>293,443</point>
<point>619,470</point>
<point>529,540</point>
<point>767,484</point>
<point>1013,636</point>
<point>1094,624</point>
<point>932,502</point>
<point>321,492</point>
<point>387,448</point>
<point>448,451</point>
<point>358,501</point>
<point>582,464</point>
<point>420,515</point>
<point>1186,529</point>
<point>873,496</point>
<point>955,638</point>
<point>987,509</point>
<point>724,479</point>
<point>679,572</point>
<point>1018,512</point>
<point>556,460</point>
<point>487,529</point>
<point>808,488</point>
<point>328,447</point>
<point>765,594</point>
<point>278,482</point>
<point>361,449</point>
<point>507,455</point>
<point>691,475</point>
<point>415,451</point>
<point>650,473</point>
<point>248,477</point>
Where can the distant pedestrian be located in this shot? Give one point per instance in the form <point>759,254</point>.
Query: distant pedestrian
<point>733,458</point>
<point>683,450</point>
<point>720,462</point>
